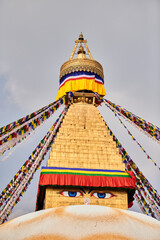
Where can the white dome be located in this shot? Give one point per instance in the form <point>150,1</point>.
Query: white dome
<point>81,222</point>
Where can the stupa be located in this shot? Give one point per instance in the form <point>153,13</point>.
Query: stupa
<point>84,166</point>
<point>84,191</point>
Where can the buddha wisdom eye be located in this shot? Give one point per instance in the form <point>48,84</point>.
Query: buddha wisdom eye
<point>71,193</point>
<point>102,195</point>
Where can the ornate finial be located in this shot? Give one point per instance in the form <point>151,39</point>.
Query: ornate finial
<point>81,41</point>
<point>81,63</point>
<point>81,37</point>
<point>81,49</point>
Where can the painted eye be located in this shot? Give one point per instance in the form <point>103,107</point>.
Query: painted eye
<point>102,195</point>
<point>71,193</point>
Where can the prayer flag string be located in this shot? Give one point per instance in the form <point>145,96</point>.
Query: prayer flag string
<point>141,206</point>
<point>148,128</point>
<point>15,146</point>
<point>142,182</point>
<point>130,134</point>
<point>148,208</point>
<point>8,128</point>
<point>10,196</point>
<point>151,129</point>
<point>22,128</point>
<point>154,205</point>
<point>26,165</point>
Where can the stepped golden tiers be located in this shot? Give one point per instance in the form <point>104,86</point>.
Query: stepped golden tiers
<point>81,72</point>
<point>84,166</point>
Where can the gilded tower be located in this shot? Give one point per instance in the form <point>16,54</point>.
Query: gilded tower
<point>84,166</point>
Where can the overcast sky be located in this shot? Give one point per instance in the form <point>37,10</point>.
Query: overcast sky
<point>37,37</point>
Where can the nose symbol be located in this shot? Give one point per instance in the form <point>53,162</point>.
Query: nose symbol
<point>87,201</point>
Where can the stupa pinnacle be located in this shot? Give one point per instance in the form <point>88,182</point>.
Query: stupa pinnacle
<point>81,72</point>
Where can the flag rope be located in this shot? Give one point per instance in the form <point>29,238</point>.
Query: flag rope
<point>11,196</point>
<point>22,129</point>
<point>142,182</point>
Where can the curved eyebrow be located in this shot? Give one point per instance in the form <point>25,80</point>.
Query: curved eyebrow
<point>90,190</point>
<point>82,190</point>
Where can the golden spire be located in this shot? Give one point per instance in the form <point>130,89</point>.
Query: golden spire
<point>81,62</point>
<point>81,41</point>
